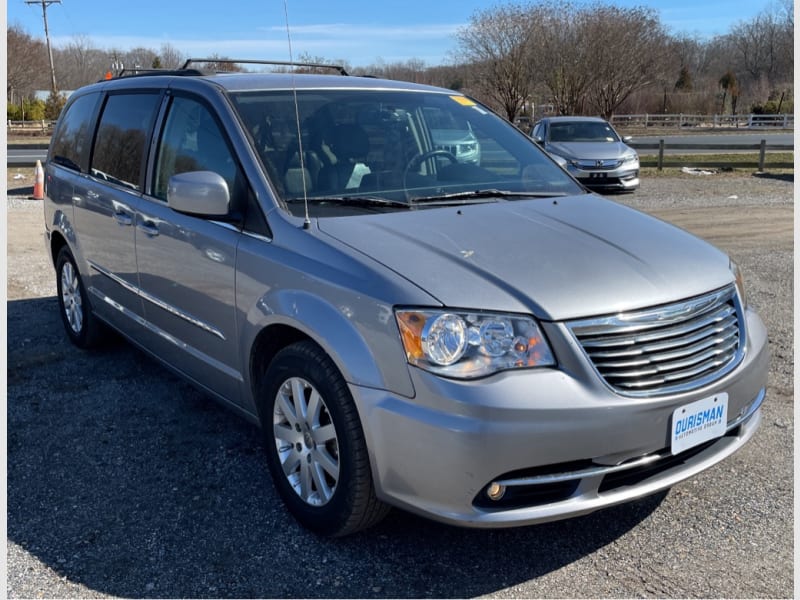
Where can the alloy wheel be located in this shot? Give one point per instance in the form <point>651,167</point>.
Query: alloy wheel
<point>306,441</point>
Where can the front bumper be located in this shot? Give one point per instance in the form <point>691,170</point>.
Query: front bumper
<point>561,442</point>
<point>621,179</point>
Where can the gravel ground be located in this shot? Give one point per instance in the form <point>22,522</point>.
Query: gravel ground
<point>123,481</point>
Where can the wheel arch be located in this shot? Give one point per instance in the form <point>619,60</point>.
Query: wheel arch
<point>57,241</point>
<point>288,316</point>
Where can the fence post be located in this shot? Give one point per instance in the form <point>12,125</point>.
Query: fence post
<point>645,120</point>
<point>661,155</point>
<point>762,155</point>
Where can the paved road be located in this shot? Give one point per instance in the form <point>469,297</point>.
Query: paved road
<point>25,157</point>
<point>123,481</point>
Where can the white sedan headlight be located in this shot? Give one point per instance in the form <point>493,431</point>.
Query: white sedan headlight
<point>630,158</point>
<point>466,345</point>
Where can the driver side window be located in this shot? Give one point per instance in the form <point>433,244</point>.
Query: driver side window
<point>192,141</point>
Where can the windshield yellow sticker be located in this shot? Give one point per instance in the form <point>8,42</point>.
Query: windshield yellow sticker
<point>463,101</point>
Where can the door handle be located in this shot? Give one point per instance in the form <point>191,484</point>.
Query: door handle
<point>123,218</point>
<point>148,228</point>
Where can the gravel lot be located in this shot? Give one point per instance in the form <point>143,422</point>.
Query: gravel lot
<point>123,481</point>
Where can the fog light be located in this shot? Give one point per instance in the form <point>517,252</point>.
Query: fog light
<point>495,491</point>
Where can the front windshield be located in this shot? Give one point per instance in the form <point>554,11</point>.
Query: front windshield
<point>582,131</point>
<point>388,150</point>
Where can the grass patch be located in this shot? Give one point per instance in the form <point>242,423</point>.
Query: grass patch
<point>743,161</point>
<point>28,140</point>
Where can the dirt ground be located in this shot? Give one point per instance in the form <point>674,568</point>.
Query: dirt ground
<point>123,481</point>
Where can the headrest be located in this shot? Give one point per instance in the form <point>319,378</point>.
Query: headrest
<point>350,141</point>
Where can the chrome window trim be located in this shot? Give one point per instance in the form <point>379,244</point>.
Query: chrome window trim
<point>257,236</point>
<point>158,302</point>
<point>157,330</point>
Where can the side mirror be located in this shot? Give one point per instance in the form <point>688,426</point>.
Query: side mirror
<point>538,139</point>
<point>201,193</point>
<point>627,138</point>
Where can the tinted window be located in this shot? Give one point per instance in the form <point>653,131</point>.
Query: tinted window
<point>192,141</point>
<point>72,139</point>
<point>582,131</point>
<point>121,138</point>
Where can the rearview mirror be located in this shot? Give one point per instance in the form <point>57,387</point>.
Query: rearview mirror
<point>202,193</point>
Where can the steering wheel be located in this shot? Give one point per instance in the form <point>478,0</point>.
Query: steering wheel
<point>420,158</point>
<point>417,160</point>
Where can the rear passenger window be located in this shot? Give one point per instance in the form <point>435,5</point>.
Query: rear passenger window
<point>119,147</point>
<point>72,140</point>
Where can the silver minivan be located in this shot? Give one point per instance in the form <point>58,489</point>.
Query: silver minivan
<point>479,341</point>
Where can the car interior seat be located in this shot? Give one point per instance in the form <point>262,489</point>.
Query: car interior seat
<point>350,144</point>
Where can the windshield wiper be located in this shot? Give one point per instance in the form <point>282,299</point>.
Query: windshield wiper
<point>352,201</point>
<point>483,195</point>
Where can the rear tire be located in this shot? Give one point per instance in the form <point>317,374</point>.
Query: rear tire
<point>315,445</point>
<point>82,326</point>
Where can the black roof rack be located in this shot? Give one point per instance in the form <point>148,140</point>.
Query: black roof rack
<point>185,71</point>
<point>126,73</point>
<point>232,61</point>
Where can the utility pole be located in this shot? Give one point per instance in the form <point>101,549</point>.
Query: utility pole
<point>45,4</point>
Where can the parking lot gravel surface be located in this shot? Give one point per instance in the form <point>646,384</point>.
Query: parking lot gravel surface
<point>124,481</point>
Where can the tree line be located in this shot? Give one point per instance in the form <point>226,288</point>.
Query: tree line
<point>551,56</point>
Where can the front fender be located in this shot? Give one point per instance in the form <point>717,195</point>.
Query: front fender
<point>360,335</point>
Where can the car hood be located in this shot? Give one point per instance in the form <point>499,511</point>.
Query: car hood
<point>590,150</point>
<point>556,258</point>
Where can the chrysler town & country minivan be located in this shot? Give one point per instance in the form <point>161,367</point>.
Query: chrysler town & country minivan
<point>480,341</point>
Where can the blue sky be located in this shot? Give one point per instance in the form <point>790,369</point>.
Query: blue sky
<point>360,32</point>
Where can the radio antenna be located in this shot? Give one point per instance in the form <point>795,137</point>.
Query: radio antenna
<point>307,221</point>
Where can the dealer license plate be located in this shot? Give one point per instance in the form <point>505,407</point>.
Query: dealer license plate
<point>698,422</point>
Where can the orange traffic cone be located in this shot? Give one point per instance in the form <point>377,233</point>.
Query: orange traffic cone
<point>38,184</point>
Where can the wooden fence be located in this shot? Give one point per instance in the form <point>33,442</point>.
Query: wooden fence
<point>29,127</point>
<point>783,121</point>
<point>761,148</point>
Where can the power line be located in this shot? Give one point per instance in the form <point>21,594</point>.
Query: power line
<point>45,4</point>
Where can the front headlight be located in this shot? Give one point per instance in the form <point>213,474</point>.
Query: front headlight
<point>466,345</point>
<point>739,279</point>
<point>630,158</point>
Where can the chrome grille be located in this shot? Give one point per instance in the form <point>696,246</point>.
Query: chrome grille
<point>606,165</point>
<point>667,349</point>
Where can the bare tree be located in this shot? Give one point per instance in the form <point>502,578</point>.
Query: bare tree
<point>497,43</point>
<point>139,58</point>
<point>563,49</point>
<point>729,85</point>
<point>765,44</point>
<point>80,63</point>
<point>170,57</point>
<point>27,65</point>
<point>629,52</point>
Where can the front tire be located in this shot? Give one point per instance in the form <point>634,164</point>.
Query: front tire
<point>82,327</point>
<point>315,445</point>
